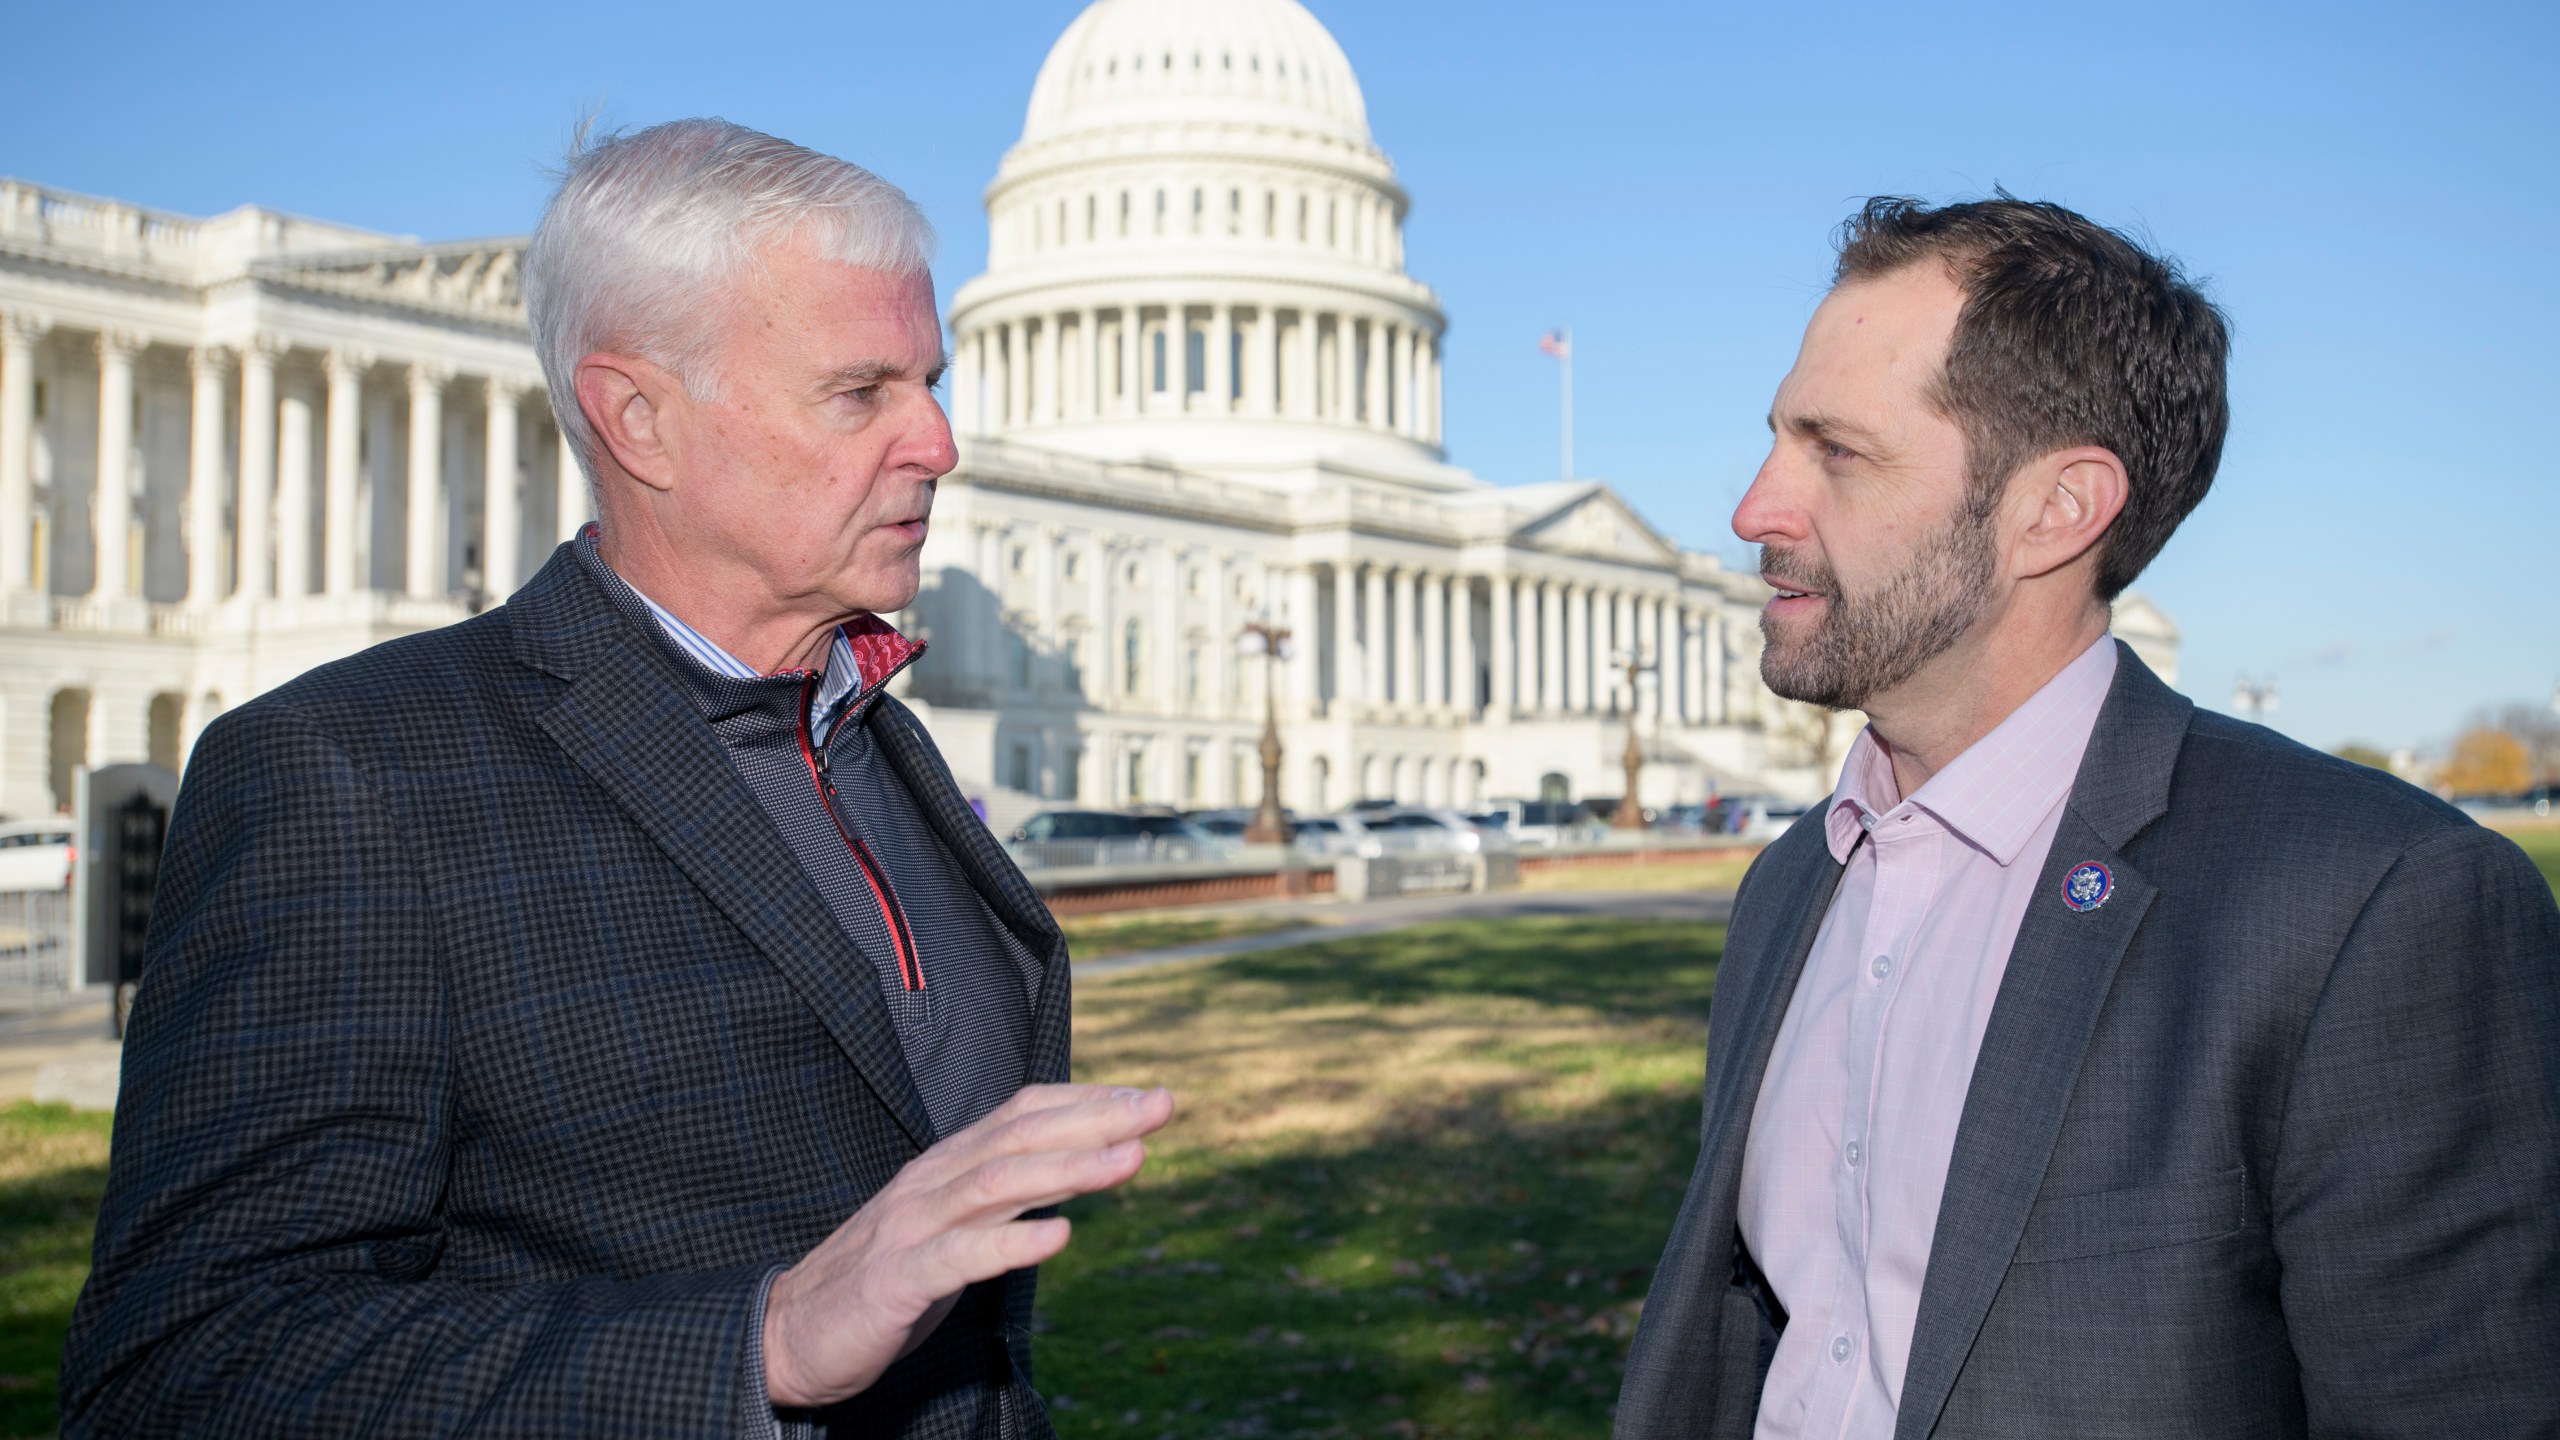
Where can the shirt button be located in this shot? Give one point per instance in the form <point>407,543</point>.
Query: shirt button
<point>1883,966</point>
<point>1840,1348</point>
<point>1856,1152</point>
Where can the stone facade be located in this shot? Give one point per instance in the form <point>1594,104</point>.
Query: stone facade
<point>1194,389</point>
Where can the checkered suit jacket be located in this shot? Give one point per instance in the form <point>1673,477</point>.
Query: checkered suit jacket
<point>492,1050</point>
<point>2265,1146</point>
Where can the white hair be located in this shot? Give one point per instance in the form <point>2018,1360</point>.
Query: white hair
<point>651,228</point>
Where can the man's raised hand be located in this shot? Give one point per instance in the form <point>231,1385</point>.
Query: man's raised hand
<point>875,1289</point>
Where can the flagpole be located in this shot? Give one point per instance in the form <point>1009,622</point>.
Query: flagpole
<point>1567,357</point>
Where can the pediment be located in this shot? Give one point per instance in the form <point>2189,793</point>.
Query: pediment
<point>1600,526</point>
<point>477,280</point>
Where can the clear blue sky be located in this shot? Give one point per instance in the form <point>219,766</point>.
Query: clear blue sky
<point>2373,193</point>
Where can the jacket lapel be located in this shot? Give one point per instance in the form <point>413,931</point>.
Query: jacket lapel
<point>629,727</point>
<point>1674,1372</point>
<point>2060,972</point>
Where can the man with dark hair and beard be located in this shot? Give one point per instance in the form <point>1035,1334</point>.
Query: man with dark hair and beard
<point>2088,1065</point>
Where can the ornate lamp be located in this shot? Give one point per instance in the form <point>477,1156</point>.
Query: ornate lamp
<point>1271,642</point>
<point>1630,812</point>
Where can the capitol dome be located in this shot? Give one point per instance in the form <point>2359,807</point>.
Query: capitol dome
<point>1195,253</point>
<point>1143,62</point>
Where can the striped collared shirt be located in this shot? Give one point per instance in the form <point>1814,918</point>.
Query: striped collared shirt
<point>843,682</point>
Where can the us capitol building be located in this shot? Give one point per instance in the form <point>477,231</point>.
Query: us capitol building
<point>1194,389</point>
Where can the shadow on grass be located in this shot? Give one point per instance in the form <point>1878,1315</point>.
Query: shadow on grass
<point>48,1208</point>
<point>1471,1265</point>
<point>1454,1284</point>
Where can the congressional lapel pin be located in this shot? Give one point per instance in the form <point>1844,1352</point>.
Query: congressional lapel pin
<point>2088,886</point>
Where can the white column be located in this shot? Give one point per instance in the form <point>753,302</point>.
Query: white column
<point>1346,370</point>
<point>426,481</point>
<point>1566,697</point>
<point>294,512</point>
<point>1177,354</point>
<point>1499,620</point>
<point>1375,382</point>
<point>18,336</point>
<point>1132,336</point>
<point>1667,657</point>
<point>577,499</point>
<point>1221,347</point>
<point>1300,615</point>
<point>962,406</point>
<point>1017,372</point>
<point>1408,637</point>
<point>340,469</point>
<point>1373,639</point>
<point>1299,349</point>
<point>1714,643</point>
<point>1408,391</point>
<point>1089,385</point>
<point>1463,695</point>
<point>1346,630</point>
<point>208,406</point>
<point>255,578</point>
<point>117,350</point>
<point>1574,694</point>
<point>1435,652</point>
<point>1431,399</point>
<point>1051,375</point>
<point>501,491</point>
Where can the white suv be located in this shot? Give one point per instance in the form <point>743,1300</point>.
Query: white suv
<point>36,855</point>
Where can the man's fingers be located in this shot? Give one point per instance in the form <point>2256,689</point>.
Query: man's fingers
<point>1088,1124</point>
<point>1092,1118</point>
<point>1007,1185</point>
<point>964,1257</point>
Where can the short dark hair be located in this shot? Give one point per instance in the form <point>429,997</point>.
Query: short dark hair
<point>2071,334</point>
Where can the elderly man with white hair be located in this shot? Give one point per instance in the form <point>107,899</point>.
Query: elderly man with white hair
<point>605,1016</point>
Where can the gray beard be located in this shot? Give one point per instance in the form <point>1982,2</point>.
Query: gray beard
<point>1874,642</point>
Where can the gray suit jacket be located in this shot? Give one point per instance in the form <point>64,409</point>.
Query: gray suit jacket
<point>2266,1145</point>
<point>493,1049</point>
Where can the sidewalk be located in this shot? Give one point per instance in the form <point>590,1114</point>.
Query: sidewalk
<point>1335,921</point>
<point>73,1037</point>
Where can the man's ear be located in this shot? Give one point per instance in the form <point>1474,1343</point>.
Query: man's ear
<point>2075,495</point>
<point>627,400</point>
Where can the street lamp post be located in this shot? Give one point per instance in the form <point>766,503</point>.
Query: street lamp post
<point>1630,812</point>
<point>1261,637</point>
<point>2255,699</point>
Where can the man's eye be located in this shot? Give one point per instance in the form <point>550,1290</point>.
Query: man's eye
<point>1833,451</point>
<point>865,393</point>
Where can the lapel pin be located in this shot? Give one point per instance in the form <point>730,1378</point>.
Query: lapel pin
<point>2087,886</point>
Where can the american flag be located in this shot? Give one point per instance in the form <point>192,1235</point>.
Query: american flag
<point>1556,343</point>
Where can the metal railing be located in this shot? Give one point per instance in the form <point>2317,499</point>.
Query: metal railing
<point>35,946</point>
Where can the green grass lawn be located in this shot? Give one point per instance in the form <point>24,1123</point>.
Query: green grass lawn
<point>1719,870</point>
<point>1417,1186</point>
<point>53,1170</point>
<point>2542,843</point>
<point>1092,937</point>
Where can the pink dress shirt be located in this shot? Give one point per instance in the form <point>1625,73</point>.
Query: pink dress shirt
<point>1856,1119</point>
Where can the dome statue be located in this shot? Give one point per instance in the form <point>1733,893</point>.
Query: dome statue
<point>1196,254</point>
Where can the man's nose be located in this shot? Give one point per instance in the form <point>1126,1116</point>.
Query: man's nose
<point>1768,513</point>
<point>928,446</point>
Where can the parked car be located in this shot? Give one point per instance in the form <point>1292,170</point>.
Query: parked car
<point>1760,817</point>
<point>1326,835</point>
<point>1422,831</point>
<point>1103,837</point>
<point>36,855</point>
<point>1224,824</point>
<point>1540,823</point>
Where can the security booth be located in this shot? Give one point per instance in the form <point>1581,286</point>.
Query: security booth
<point>121,814</point>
